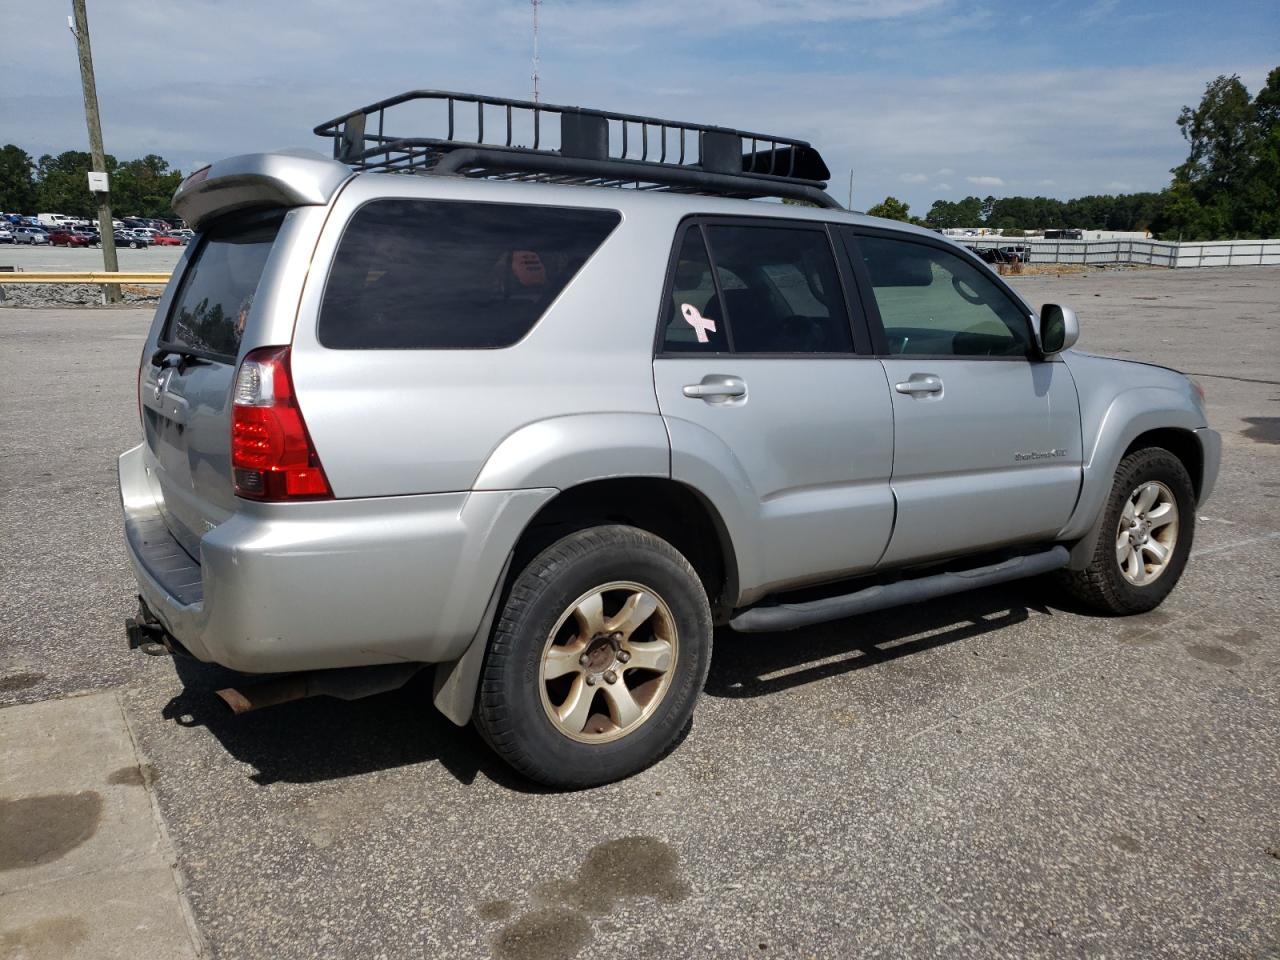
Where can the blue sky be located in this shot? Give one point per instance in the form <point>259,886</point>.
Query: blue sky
<point>922,99</point>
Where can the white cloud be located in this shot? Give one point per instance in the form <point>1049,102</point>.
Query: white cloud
<point>986,181</point>
<point>262,75</point>
<point>1098,10</point>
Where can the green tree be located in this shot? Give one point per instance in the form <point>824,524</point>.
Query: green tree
<point>1229,185</point>
<point>62,183</point>
<point>891,208</point>
<point>17,180</point>
<point>947,214</point>
<point>145,187</point>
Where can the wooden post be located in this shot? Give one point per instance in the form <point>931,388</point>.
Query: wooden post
<point>105,231</point>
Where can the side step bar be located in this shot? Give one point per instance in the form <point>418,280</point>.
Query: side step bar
<point>791,616</point>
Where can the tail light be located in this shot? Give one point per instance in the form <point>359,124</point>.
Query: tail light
<point>272,457</point>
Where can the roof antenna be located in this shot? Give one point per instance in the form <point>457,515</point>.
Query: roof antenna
<point>536,4</point>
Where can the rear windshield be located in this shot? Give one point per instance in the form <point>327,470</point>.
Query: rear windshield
<point>451,275</point>
<point>217,289</point>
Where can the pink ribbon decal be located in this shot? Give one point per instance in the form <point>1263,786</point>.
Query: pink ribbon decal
<point>696,320</point>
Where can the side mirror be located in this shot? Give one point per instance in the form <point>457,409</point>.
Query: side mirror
<point>1059,329</point>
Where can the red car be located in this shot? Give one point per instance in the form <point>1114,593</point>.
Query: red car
<point>66,238</point>
<point>167,240</point>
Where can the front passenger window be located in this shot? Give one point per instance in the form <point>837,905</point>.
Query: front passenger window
<point>935,303</point>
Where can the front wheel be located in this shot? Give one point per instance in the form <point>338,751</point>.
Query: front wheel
<point>597,659</point>
<point>1145,539</point>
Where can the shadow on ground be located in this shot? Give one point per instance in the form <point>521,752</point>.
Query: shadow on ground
<point>756,665</point>
<point>322,738</point>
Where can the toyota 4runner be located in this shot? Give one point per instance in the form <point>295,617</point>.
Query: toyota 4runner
<point>545,436</point>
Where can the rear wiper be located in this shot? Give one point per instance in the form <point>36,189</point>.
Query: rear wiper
<point>185,357</point>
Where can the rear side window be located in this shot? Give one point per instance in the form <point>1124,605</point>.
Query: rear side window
<point>773,290</point>
<point>688,329</point>
<point>449,275</point>
<point>218,287</point>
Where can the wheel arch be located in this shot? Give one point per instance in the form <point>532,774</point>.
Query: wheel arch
<point>1137,419</point>
<point>667,508</point>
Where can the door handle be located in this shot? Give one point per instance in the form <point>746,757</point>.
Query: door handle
<point>716,389</point>
<point>919,384</point>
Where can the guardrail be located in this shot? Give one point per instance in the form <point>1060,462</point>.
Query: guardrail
<point>140,279</point>
<point>1155,253</point>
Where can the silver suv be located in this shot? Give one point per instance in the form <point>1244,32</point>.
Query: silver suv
<point>546,436</point>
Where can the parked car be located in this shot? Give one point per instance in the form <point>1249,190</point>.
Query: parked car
<point>545,437</point>
<point>30,235</point>
<point>69,238</point>
<point>6,235</point>
<point>127,238</point>
<point>1020,252</point>
<point>167,240</point>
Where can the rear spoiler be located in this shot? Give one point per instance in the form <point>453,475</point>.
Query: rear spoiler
<point>293,178</point>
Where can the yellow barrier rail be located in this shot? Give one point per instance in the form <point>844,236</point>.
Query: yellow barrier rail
<point>141,279</point>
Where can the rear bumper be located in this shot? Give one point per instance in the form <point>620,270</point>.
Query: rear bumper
<point>340,583</point>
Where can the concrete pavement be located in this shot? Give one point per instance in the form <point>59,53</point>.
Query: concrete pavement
<point>85,868</point>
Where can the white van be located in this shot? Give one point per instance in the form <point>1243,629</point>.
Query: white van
<point>48,220</point>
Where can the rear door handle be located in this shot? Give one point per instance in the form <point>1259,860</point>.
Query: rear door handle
<point>920,383</point>
<point>716,389</point>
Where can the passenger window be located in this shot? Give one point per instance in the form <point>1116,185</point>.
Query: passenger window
<point>688,330</point>
<point>780,290</point>
<point>449,275</point>
<point>933,302</point>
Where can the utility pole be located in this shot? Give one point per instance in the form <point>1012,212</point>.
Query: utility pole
<point>106,235</point>
<point>850,206</point>
<point>536,4</point>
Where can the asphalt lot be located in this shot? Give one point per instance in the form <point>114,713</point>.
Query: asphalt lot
<point>987,775</point>
<point>49,257</point>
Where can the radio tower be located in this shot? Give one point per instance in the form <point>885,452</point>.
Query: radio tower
<point>536,4</point>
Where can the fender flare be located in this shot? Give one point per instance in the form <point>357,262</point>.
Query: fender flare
<point>1129,415</point>
<point>563,452</point>
<point>704,463</point>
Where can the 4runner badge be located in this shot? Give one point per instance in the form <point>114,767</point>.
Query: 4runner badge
<point>1039,455</point>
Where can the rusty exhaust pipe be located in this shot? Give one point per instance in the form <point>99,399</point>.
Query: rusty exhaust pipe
<point>348,683</point>
<point>268,694</point>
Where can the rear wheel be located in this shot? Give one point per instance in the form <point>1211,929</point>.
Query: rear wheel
<point>1146,535</point>
<point>598,657</point>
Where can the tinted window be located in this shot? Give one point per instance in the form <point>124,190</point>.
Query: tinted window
<point>692,288</point>
<point>935,303</point>
<point>779,290</point>
<point>440,275</point>
<point>217,290</point>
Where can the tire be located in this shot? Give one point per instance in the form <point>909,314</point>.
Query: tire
<point>1103,585</point>
<point>133,244</point>
<point>542,631</point>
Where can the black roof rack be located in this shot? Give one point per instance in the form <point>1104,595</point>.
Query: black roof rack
<point>596,147</point>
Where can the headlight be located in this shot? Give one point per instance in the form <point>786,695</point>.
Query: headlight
<point>1195,385</point>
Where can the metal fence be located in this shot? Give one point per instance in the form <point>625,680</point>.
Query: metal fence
<point>1155,253</point>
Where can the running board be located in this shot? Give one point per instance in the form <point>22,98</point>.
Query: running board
<point>791,616</point>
